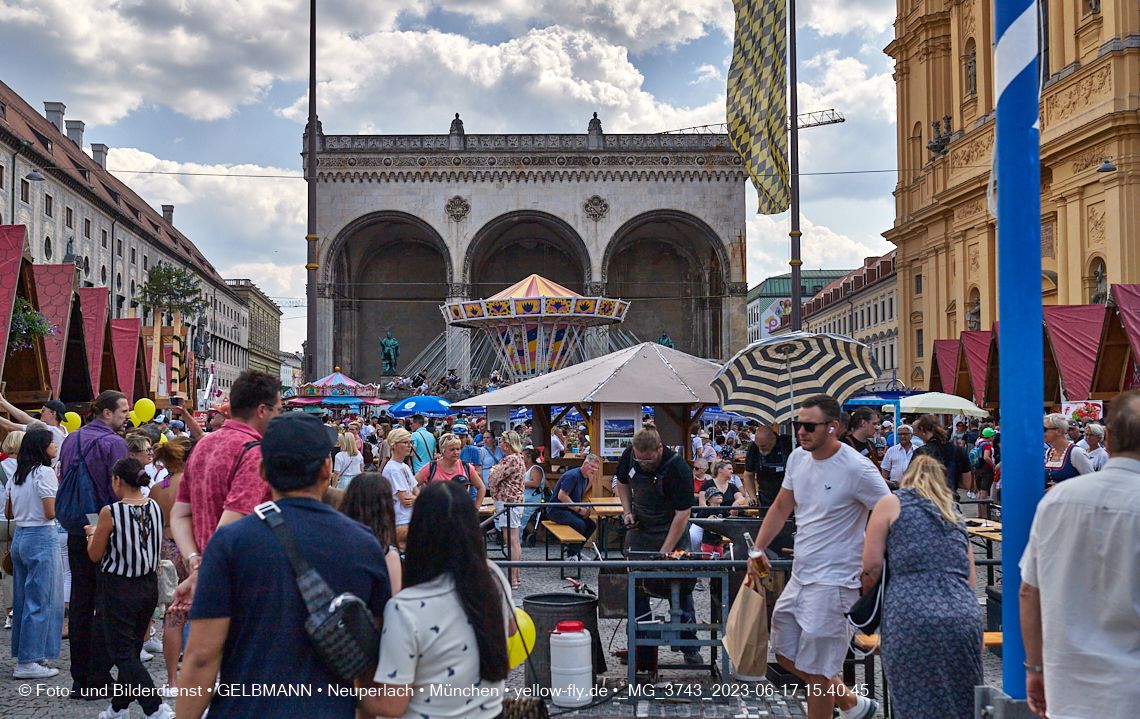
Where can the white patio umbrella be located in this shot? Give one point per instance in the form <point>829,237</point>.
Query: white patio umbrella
<point>940,403</point>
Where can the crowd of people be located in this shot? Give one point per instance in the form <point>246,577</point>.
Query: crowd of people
<point>366,498</point>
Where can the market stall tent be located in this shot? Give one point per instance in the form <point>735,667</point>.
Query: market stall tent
<point>943,366</point>
<point>68,372</point>
<point>23,373</point>
<point>130,360</point>
<point>97,334</point>
<point>1116,366</point>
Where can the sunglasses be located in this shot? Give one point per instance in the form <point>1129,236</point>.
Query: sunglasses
<point>808,427</point>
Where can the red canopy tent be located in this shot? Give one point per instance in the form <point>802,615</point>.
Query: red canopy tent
<point>24,373</point>
<point>943,366</point>
<point>129,358</point>
<point>1116,367</point>
<point>97,332</point>
<point>973,353</point>
<point>1073,333</point>
<point>68,371</point>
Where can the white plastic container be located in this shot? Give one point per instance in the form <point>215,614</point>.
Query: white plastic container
<point>571,665</point>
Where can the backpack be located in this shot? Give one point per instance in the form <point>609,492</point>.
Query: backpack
<point>978,455</point>
<point>465,481</point>
<point>77,495</point>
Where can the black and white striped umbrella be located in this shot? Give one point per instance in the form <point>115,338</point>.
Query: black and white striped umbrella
<point>765,379</point>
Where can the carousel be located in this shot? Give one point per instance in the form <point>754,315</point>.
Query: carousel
<point>336,390</point>
<point>537,326</point>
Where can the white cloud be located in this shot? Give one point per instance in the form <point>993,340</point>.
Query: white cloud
<point>548,77</point>
<point>248,221</point>
<point>820,247</point>
<point>839,17</point>
<point>708,72</point>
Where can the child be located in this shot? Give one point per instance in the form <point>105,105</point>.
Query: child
<point>127,540</point>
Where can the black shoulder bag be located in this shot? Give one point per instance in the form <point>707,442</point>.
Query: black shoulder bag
<point>866,613</point>
<point>345,635</point>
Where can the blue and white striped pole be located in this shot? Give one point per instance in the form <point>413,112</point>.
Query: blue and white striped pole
<point>1018,154</point>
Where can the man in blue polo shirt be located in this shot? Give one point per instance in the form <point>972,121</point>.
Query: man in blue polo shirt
<point>247,624</point>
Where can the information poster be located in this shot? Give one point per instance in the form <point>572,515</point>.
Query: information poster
<point>1083,412</point>
<point>619,423</point>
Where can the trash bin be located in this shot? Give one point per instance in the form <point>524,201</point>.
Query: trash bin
<point>547,610</point>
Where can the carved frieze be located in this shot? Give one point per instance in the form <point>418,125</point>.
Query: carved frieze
<point>1086,92</point>
<point>457,208</point>
<point>1089,158</point>
<point>973,261</point>
<point>970,209</point>
<point>736,289</point>
<point>1096,225</point>
<point>525,143</point>
<point>972,153</point>
<point>968,22</point>
<point>596,208</point>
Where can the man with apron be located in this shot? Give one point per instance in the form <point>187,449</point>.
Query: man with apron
<point>655,487</point>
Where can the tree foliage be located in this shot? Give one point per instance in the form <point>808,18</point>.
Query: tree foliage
<point>169,288</point>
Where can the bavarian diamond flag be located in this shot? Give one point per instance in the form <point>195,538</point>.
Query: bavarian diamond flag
<point>758,99</point>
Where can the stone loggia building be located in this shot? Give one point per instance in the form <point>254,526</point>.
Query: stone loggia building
<point>408,222</point>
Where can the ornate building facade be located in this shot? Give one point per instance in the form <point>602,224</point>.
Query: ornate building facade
<point>407,223</point>
<point>264,323</point>
<point>946,238</point>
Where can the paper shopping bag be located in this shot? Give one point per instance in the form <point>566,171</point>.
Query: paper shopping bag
<point>746,633</point>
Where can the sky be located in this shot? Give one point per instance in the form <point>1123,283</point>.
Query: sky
<point>219,87</point>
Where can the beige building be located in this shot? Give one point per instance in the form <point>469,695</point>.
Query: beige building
<point>264,323</point>
<point>863,305</point>
<point>947,252</point>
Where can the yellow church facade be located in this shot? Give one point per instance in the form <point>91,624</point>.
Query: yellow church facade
<point>1090,140</point>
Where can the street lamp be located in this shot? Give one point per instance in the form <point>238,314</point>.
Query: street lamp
<point>1106,166</point>
<point>35,176</point>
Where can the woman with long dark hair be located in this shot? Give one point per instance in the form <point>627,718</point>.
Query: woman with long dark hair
<point>37,606</point>
<point>448,627</point>
<point>369,501</point>
<point>937,444</point>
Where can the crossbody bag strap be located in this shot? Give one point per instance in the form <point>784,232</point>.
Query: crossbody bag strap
<point>315,591</point>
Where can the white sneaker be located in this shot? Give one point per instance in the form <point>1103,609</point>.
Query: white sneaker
<point>163,712</point>
<point>864,708</point>
<point>154,645</point>
<point>145,655</point>
<point>110,713</point>
<point>8,620</point>
<point>572,558</point>
<point>33,670</point>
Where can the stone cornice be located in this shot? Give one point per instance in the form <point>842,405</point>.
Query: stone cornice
<point>403,144</point>
<point>685,174</point>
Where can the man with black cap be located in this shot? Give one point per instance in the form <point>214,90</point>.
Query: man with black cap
<point>247,589</point>
<point>51,415</point>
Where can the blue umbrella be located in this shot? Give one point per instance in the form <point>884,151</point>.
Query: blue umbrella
<point>716,414</point>
<point>426,405</point>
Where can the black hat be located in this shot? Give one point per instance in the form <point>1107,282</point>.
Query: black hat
<point>293,448</point>
<point>56,406</point>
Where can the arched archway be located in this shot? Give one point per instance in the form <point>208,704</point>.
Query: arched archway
<point>674,270</point>
<point>517,244</point>
<point>386,271</point>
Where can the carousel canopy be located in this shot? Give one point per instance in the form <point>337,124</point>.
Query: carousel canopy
<point>338,386</point>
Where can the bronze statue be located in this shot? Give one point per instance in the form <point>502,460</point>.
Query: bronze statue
<point>390,353</point>
<point>665,340</point>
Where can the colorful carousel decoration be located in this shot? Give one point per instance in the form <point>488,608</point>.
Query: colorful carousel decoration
<point>336,390</point>
<point>537,326</point>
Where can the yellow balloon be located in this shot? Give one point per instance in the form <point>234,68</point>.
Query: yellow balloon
<point>71,421</point>
<point>145,409</point>
<point>521,643</point>
<point>162,439</point>
<point>134,419</point>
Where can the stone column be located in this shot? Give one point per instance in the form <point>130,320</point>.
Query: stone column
<point>734,319</point>
<point>1070,263</point>
<point>324,359</point>
<point>459,338</point>
<point>1060,249</point>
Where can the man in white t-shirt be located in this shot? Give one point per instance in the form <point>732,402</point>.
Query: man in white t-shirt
<point>832,489</point>
<point>557,446</point>
<point>51,415</point>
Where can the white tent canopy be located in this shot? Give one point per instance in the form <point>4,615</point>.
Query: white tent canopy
<point>647,373</point>
<point>940,403</point>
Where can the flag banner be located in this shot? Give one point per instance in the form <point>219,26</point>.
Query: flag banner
<point>757,105</point>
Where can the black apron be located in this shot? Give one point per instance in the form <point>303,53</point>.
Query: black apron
<point>654,516</point>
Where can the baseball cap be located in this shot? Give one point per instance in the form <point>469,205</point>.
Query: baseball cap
<point>988,432</point>
<point>178,424</point>
<point>293,447</point>
<point>160,419</point>
<point>887,423</point>
<point>56,406</point>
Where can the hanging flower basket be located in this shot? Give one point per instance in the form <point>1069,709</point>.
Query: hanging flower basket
<point>28,325</point>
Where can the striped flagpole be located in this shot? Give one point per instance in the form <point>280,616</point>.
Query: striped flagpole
<point>1018,154</point>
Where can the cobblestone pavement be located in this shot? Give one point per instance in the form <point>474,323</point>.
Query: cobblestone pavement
<point>681,693</point>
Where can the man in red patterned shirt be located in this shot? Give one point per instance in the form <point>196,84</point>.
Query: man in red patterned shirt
<point>222,482</point>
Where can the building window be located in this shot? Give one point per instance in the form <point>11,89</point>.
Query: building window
<point>891,352</point>
<point>87,228</point>
<point>133,256</point>
<point>86,266</point>
<point>132,288</point>
<point>119,247</point>
<point>1,177</point>
<point>875,311</point>
<point>918,284</point>
<point>24,190</point>
<point>890,307</point>
<point>119,282</point>
<point>146,263</point>
<point>918,343</point>
<point>47,248</point>
<point>49,205</point>
<point>103,275</point>
<point>103,237</point>
<point>69,218</point>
